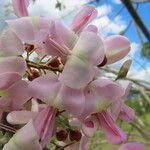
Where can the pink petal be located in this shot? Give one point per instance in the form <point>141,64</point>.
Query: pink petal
<point>89,127</point>
<point>126,114</point>
<point>25,139</point>
<point>132,146</point>
<point>89,106</point>
<point>91,28</point>
<point>17,96</point>
<point>113,134</point>
<point>127,86</point>
<point>107,89</point>
<point>8,79</point>
<point>12,64</point>
<point>89,47</point>
<point>28,28</point>
<point>45,124</point>
<point>20,7</point>
<point>114,109</point>
<point>84,17</point>
<point>20,117</point>
<point>77,73</point>
<point>79,70</point>
<point>46,88</point>
<point>72,100</point>
<point>10,44</point>
<point>116,48</point>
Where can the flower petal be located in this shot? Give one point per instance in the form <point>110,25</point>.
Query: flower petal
<point>28,28</point>
<point>20,117</point>
<point>116,48</point>
<point>20,7</point>
<point>84,17</point>
<point>72,100</point>
<point>89,47</point>
<point>45,124</point>
<point>12,64</point>
<point>77,73</point>
<point>25,139</point>
<point>126,114</point>
<point>8,79</point>
<point>113,134</point>
<point>132,146</point>
<point>10,44</point>
<point>17,96</point>
<point>79,70</point>
<point>91,28</point>
<point>46,89</point>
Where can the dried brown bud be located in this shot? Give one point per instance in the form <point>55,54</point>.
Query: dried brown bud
<point>33,73</point>
<point>28,47</point>
<point>55,62</point>
<point>61,135</point>
<point>75,135</point>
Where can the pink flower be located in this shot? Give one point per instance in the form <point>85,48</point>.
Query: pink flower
<point>43,121</point>
<point>20,7</point>
<point>83,18</point>
<point>132,146</point>
<point>25,138</point>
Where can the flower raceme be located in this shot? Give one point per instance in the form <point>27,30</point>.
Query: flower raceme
<point>63,83</point>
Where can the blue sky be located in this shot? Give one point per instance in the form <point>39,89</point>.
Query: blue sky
<point>144,12</point>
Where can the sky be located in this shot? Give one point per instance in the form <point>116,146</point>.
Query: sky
<point>112,18</point>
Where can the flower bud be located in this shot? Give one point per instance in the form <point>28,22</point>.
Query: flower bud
<point>61,135</point>
<point>28,47</point>
<point>55,62</point>
<point>75,135</point>
<point>34,73</point>
<point>103,62</point>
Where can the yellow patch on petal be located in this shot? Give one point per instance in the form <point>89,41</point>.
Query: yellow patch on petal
<point>34,20</point>
<point>101,104</point>
<point>3,93</point>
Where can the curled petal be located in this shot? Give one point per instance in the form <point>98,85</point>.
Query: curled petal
<point>10,44</point>
<point>84,17</point>
<point>113,134</point>
<point>132,146</point>
<point>20,117</point>
<point>116,48</point>
<point>20,7</point>
<point>12,64</point>
<point>126,114</point>
<point>25,138</point>
<point>45,124</point>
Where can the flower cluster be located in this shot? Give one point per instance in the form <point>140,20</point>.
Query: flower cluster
<point>62,94</point>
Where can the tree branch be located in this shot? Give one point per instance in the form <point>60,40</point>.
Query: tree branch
<point>136,18</point>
